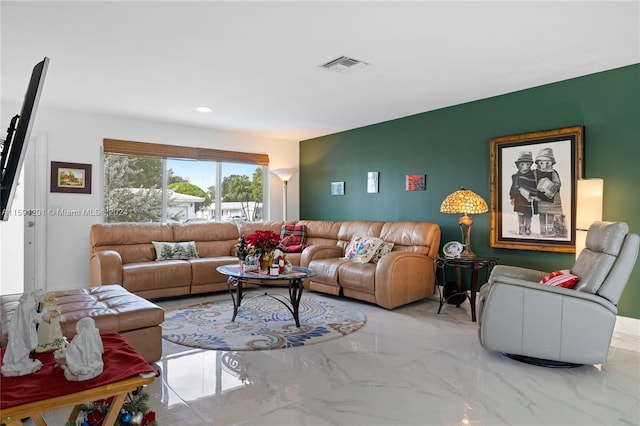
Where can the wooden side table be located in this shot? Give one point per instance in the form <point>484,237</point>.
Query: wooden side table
<point>475,264</point>
<point>12,416</point>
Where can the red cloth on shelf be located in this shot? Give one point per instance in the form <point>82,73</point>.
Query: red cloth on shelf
<point>121,361</point>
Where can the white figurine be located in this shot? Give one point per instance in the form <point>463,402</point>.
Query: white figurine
<point>50,335</point>
<point>23,339</point>
<point>82,359</point>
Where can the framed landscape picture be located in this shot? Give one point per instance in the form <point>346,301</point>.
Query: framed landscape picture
<point>533,189</point>
<point>70,177</point>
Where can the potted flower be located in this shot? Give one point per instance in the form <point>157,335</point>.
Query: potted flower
<point>262,244</point>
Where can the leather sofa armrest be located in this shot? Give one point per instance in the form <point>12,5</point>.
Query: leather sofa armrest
<point>402,276</point>
<point>319,251</point>
<point>106,268</point>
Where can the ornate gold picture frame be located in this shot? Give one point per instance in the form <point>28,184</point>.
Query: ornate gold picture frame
<point>533,189</point>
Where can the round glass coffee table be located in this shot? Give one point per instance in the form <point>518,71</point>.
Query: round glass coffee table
<point>238,278</point>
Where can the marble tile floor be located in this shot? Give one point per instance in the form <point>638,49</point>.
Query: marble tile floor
<point>409,366</point>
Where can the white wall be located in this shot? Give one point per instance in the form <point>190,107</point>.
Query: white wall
<point>11,246</point>
<point>77,137</point>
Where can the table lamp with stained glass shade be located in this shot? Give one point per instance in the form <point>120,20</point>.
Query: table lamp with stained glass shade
<point>466,202</point>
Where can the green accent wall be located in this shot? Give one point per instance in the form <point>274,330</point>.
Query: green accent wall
<point>451,147</point>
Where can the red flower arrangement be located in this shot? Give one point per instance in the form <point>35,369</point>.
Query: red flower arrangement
<point>262,242</point>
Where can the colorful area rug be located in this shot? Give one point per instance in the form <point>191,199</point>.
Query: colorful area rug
<point>262,323</point>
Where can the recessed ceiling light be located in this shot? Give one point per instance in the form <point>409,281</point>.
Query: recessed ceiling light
<point>204,109</point>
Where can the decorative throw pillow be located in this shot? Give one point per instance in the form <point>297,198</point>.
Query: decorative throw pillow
<point>293,249</point>
<point>351,251</point>
<point>384,248</point>
<point>169,251</point>
<point>362,249</point>
<point>293,238</point>
<point>562,278</point>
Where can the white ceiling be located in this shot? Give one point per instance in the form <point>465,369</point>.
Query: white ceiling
<point>257,63</point>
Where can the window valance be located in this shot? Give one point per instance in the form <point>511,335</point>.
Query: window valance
<point>146,149</point>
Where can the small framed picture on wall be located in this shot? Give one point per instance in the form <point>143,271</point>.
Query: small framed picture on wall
<point>72,178</point>
<point>372,182</point>
<point>416,182</point>
<point>337,188</point>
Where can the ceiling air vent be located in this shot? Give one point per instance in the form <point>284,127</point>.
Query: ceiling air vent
<point>344,65</point>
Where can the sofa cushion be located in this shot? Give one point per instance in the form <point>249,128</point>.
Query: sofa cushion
<point>204,271</point>
<point>322,232</point>
<point>415,237</point>
<point>131,240</point>
<point>358,276</point>
<point>327,269</point>
<point>212,239</point>
<point>248,228</point>
<point>362,249</point>
<point>167,274</point>
<point>168,250</point>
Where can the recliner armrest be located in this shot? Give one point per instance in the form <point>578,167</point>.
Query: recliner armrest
<point>560,291</point>
<point>525,274</point>
<point>319,251</point>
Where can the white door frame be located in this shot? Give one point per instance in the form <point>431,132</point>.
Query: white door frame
<point>35,226</point>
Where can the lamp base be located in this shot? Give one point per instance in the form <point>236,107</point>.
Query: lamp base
<point>467,254</point>
<point>465,224</point>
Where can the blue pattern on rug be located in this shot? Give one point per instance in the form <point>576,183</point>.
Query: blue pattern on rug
<point>262,323</point>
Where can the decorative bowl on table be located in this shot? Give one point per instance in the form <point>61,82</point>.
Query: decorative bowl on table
<point>452,250</point>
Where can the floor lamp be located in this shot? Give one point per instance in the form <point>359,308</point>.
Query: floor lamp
<point>588,208</point>
<point>285,176</point>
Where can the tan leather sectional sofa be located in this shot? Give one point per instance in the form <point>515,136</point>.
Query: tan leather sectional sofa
<point>123,253</point>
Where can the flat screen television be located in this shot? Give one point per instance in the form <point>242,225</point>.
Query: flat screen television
<point>15,144</point>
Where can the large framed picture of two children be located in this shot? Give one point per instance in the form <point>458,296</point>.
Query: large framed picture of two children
<point>534,178</point>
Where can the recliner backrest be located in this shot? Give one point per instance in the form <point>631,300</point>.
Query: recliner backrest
<point>600,256</point>
<point>617,279</point>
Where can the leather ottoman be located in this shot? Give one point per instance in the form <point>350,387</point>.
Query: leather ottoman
<point>112,308</point>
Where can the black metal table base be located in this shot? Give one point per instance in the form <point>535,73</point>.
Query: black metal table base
<point>455,298</point>
<point>459,296</point>
<point>292,305</point>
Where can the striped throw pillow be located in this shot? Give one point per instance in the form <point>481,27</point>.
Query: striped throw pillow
<point>562,278</point>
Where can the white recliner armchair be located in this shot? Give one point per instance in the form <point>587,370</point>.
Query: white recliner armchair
<point>555,326</point>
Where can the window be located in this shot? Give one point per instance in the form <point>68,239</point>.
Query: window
<point>158,183</point>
